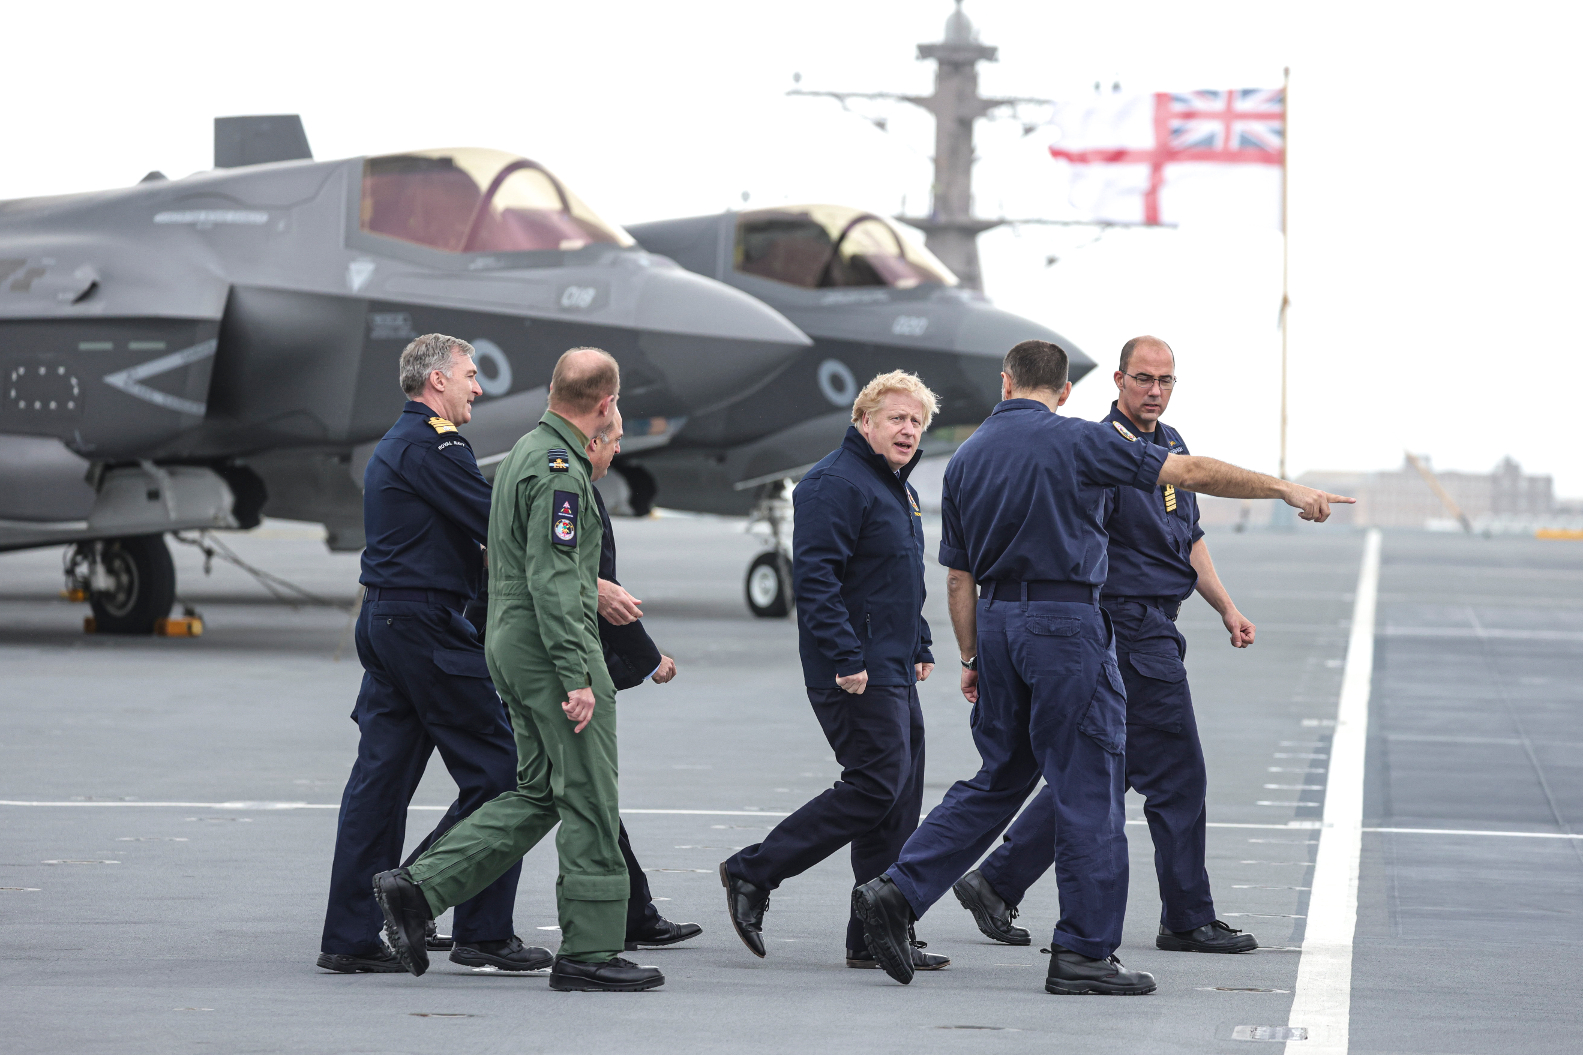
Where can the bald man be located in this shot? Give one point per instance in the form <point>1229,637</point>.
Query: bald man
<point>1158,557</point>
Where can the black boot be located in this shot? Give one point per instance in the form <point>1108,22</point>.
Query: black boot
<point>1211,937</point>
<point>615,975</point>
<point>433,940</point>
<point>663,932</point>
<point>507,955</point>
<point>992,914</point>
<point>921,961</point>
<point>887,923</point>
<point>382,962</point>
<point>746,904</point>
<point>1072,973</point>
<point>406,918</point>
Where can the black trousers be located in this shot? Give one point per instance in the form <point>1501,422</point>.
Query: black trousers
<point>877,737</point>
<point>425,686</point>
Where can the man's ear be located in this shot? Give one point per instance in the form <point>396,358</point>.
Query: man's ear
<point>1066,392</point>
<point>1005,386</point>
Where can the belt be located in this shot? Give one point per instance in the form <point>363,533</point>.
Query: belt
<point>1040,590</point>
<point>1169,605</point>
<point>454,601</point>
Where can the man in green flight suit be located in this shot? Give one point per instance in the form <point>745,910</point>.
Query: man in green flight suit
<point>547,664</point>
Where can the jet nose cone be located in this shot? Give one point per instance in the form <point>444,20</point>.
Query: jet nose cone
<point>987,333</point>
<point>710,341</point>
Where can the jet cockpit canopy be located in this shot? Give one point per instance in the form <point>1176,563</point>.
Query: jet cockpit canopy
<point>475,200</point>
<point>822,246</point>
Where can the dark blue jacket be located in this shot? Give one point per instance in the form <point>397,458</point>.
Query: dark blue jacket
<point>1151,546</point>
<point>857,569</point>
<point>425,508</point>
<point>1024,497</point>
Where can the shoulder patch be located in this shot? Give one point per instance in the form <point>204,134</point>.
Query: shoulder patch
<point>560,462</point>
<point>441,425</point>
<point>1124,433</point>
<point>563,519</point>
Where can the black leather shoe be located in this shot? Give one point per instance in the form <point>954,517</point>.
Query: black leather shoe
<point>992,914</point>
<point>887,924</point>
<point>664,932</point>
<point>615,975</point>
<point>406,917</point>
<point>1211,937</point>
<point>1073,974</point>
<point>746,904</point>
<point>382,962</point>
<point>508,955</point>
<point>921,961</point>
<point>434,941</point>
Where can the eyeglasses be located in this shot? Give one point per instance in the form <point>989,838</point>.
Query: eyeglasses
<point>1146,381</point>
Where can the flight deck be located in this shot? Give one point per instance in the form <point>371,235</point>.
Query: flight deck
<point>169,805</point>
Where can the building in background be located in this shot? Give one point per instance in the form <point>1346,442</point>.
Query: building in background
<point>1503,500</point>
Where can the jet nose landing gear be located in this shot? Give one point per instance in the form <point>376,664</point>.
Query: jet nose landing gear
<point>769,585</point>
<point>130,582</point>
<point>769,581</point>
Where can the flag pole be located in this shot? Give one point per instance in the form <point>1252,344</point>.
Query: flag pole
<point>1286,300</point>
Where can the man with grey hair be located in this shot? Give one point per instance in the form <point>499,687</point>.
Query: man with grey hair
<point>425,681</point>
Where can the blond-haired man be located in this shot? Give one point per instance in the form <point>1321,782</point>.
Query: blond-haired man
<point>857,574</point>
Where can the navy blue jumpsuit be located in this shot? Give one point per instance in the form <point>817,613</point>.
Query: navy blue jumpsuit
<point>1022,510</point>
<point>425,684</point>
<point>1151,573</point>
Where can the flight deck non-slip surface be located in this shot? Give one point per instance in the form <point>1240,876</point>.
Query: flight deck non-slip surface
<point>173,758</point>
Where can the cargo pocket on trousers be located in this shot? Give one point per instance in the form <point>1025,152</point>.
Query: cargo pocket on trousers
<point>1055,646</point>
<point>1105,719</point>
<point>580,887</point>
<point>464,697</point>
<point>1157,695</point>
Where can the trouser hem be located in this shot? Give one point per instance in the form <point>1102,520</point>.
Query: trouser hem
<point>1082,946</point>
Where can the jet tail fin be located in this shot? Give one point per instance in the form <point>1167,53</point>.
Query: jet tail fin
<point>256,139</point>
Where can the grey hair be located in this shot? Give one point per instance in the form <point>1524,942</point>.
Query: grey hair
<point>427,354</point>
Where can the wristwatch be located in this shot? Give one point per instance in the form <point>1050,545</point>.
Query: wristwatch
<point>970,664</point>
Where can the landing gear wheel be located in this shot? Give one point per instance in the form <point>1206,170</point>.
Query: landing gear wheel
<point>137,585</point>
<point>769,586</point>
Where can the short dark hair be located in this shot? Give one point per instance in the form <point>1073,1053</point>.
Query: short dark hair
<point>1132,346</point>
<point>1036,364</point>
<point>581,380</point>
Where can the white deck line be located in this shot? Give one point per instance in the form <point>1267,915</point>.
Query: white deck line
<point>1322,997</point>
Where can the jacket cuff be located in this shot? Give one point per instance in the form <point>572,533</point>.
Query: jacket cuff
<point>849,667</point>
<point>924,656</point>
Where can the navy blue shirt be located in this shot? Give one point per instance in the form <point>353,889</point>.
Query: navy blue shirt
<point>630,654</point>
<point>857,569</point>
<point>425,507</point>
<point>1024,497</point>
<point>1151,545</point>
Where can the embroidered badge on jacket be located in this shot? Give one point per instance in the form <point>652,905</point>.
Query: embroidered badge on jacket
<point>560,461</point>
<point>1124,433</point>
<point>441,425</point>
<point>563,519</point>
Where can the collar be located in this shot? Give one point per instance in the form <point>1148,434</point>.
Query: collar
<point>415,407</point>
<point>1020,404</point>
<point>1158,436</point>
<point>576,441</point>
<point>858,444</point>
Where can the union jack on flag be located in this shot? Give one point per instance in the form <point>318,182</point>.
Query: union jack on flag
<point>1246,119</point>
<point>1171,157</point>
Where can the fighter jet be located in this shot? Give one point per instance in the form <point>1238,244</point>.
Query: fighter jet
<point>873,300</point>
<point>193,353</point>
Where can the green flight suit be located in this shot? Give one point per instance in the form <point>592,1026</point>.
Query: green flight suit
<point>543,642</point>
